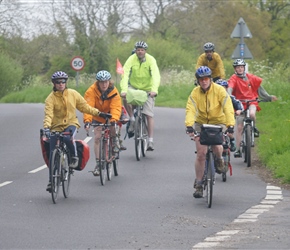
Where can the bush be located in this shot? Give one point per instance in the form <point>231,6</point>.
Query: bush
<point>11,75</point>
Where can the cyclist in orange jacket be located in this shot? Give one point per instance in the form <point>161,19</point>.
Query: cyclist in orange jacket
<point>245,86</point>
<point>104,96</point>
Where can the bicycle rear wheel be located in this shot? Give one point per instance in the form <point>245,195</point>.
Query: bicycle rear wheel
<point>102,161</point>
<point>138,133</point>
<point>248,145</point>
<point>55,174</point>
<point>209,180</point>
<point>65,175</point>
<point>144,135</point>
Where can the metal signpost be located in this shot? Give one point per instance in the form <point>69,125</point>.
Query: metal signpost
<point>77,64</point>
<point>240,31</point>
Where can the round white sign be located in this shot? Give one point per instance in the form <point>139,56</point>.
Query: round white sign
<point>77,63</point>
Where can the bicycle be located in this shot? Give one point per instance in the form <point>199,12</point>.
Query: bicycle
<point>210,168</point>
<point>106,155</point>
<point>141,133</point>
<point>248,138</point>
<point>60,172</point>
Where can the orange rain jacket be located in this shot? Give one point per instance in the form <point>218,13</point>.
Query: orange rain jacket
<point>109,102</point>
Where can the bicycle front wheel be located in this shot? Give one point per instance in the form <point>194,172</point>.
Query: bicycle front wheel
<point>116,168</point>
<point>102,161</point>
<point>248,145</point>
<point>210,180</point>
<point>65,175</point>
<point>109,166</point>
<point>144,129</point>
<point>55,174</point>
<point>138,133</point>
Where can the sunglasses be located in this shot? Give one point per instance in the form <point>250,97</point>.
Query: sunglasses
<point>60,81</point>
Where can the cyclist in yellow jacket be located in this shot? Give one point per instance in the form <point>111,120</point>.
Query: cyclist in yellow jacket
<point>104,96</point>
<point>60,114</point>
<point>141,72</point>
<point>212,59</point>
<point>209,103</point>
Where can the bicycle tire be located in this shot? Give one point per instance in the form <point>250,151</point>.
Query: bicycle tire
<point>116,167</point>
<point>244,144</point>
<point>209,179</point>
<point>144,136</point>
<point>102,161</point>
<point>248,145</point>
<point>109,166</point>
<point>55,175</point>
<point>226,163</point>
<point>65,175</point>
<point>137,138</point>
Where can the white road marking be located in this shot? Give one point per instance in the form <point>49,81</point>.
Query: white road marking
<point>5,183</point>
<point>87,139</point>
<point>273,196</point>
<point>37,169</point>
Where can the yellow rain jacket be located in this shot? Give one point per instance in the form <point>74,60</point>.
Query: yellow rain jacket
<point>216,65</point>
<point>110,102</point>
<point>60,109</point>
<point>211,107</point>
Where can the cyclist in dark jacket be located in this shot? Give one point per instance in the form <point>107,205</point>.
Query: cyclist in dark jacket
<point>238,107</point>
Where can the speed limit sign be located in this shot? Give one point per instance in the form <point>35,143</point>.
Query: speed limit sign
<point>77,63</point>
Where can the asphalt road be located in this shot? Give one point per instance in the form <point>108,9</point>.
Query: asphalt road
<point>148,206</point>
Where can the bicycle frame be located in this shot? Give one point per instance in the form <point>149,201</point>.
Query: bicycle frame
<point>106,155</point>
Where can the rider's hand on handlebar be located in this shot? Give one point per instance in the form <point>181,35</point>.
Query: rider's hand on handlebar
<point>230,130</point>
<point>105,115</point>
<point>190,130</point>
<point>46,132</point>
<point>152,94</point>
<point>87,126</point>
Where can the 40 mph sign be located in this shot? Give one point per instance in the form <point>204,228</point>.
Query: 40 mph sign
<point>77,63</point>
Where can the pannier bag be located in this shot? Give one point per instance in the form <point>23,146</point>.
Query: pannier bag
<point>44,142</point>
<point>82,149</point>
<point>136,96</point>
<point>83,154</point>
<point>211,135</point>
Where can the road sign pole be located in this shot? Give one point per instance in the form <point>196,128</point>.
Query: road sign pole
<point>77,79</point>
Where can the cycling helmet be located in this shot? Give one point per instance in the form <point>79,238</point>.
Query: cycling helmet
<point>239,62</point>
<point>208,47</point>
<point>141,44</point>
<point>59,75</point>
<point>222,82</point>
<point>103,75</point>
<point>203,71</point>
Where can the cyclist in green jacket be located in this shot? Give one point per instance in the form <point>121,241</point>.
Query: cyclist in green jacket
<point>141,72</point>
